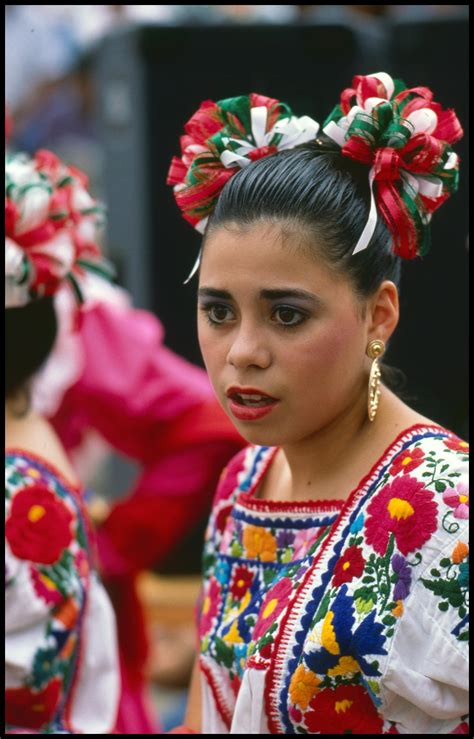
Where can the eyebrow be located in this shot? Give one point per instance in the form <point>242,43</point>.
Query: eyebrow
<point>284,292</point>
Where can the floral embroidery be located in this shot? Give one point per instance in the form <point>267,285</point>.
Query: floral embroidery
<point>459,500</point>
<point>324,633</point>
<point>349,566</point>
<point>303,686</point>
<point>405,508</point>
<point>45,531</point>
<point>210,606</point>
<point>407,461</point>
<point>259,544</point>
<point>347,709</point>
<point>31,708</point>
<point>274,603</point>
<point>39,525</point>
<point>457,445</point>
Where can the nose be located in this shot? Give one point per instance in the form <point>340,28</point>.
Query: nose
<point>249,349</point>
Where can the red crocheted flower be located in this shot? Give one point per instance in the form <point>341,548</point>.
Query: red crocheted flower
<point>241,582</point>
<point>210,606</point>
<point>407,461</point>
<point>349,566</point>
<point>25,707</point>
<point>346,710</point>
<point>39,525</point>
<point>457,445</point>
<point>44,587</point>
<point>274,603</point>
<point>406,509</point>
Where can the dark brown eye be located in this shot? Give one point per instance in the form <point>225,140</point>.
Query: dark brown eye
<point>287,316</point>
<point>218,313</point>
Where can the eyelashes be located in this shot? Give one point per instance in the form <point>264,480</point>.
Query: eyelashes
<point>285,316</point>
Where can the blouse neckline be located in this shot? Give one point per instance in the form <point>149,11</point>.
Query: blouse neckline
<point>249,500</point>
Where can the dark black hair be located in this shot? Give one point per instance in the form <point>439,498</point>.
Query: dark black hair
<point>30,332</point>
<point>325,197</point>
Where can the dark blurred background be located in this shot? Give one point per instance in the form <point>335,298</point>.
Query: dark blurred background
<point>116,84</point>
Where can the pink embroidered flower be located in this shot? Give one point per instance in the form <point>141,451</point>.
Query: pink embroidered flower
<point>406,509</point>
<point>303,541</point>
<point>273,604</point>
<point>407,461</point>
<point>458,499</point>
<point>210,606</point>
<point>350,565</point>
<point>347,709</point>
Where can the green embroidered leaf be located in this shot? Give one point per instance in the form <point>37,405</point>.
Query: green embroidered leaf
<point>224,654</point>
<point>389,620</point>
<point>368,578</point>
<point>236,549</point>
<point>363,606</point>
<point>427,474</point>
<point>390,632</point>
<point>431,464</point>
<point>444,467</point>
<point>443,606</point>
<point>374,686</point>
<point>464,636</point>
<point>462,612</point>
<point>323,608</point>
<point>445,562</point>
<point>454,474</point>
<point>435,573</point>
<point>440,487</point>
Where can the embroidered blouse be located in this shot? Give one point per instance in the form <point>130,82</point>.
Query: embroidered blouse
<point>62,673</point>
<point>342,616</point>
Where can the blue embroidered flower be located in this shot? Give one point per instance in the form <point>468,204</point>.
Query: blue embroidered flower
<point>222,572</point>
<point>285,539</point>
<point>342,648</point>
<point>402,569</point>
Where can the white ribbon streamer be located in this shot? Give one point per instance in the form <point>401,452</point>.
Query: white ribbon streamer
<point>195,268</point>
<point>369,228</point>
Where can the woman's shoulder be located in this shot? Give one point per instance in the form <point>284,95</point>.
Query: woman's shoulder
<point>241,471</point>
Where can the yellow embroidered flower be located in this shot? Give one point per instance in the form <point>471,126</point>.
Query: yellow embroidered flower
<point>347,666</point>
<point>259,543</point>
<point>328,635</point>
<point>459,553</point>
<point>233,636</point>
<point>303,686</point>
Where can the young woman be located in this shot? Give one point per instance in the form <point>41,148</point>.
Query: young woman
<point>62,672</point>
<point>335,564</point>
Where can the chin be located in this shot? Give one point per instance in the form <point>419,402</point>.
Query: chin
<point>260,437</point>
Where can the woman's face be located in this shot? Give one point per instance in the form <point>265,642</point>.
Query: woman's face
<point>274,322</point>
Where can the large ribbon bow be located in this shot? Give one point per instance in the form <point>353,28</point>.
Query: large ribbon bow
<point>406,138</point>
<point>223,137</point>
<point>50,228</point>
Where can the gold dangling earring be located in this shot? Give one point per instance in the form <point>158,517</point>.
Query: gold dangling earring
<point>374,350</point>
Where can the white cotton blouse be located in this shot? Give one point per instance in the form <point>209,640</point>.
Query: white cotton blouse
<point>342,616</point>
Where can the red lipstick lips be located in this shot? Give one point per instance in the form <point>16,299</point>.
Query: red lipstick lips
<point>249,403</point>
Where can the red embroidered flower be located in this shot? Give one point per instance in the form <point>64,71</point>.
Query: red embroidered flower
<point>210,606</point>
<point>407,461</point>
<point>457,445</point>
<point>44,587</point>
<point>273,604</point>
<point>241,582</point>
<point>346,710</point>
<point>349,566</point>
<point>39,525</point>
<point>25,707</point>
<point>406,508</point>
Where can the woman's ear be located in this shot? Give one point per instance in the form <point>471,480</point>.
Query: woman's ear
<point>383,312</point>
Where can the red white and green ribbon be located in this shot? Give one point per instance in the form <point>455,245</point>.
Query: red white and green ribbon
<point>405,137</point>
<point>51,224</point>
<point>225,136</point>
